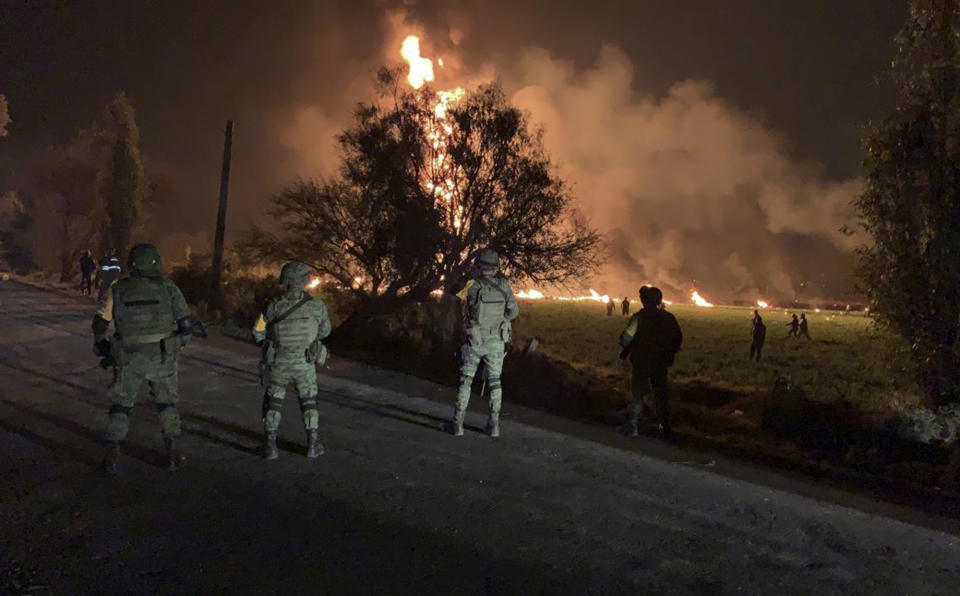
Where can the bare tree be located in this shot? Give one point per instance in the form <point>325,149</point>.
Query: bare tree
<point>426,180</point>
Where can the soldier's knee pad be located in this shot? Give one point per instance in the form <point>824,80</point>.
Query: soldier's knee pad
<point>308,404</point>
<point>271,421</point>
<point>119,409</point>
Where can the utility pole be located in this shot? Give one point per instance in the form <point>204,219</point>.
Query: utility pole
<point>216,293</point>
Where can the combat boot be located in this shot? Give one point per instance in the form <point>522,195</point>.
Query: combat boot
<point>455,426</point>
<point>314,447</point>
<point>175,458</point>
<point>493,425</point>
<point>270,446</point>
<point>111,461</point>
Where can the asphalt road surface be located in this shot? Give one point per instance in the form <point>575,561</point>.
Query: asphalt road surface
<point>394,505</point>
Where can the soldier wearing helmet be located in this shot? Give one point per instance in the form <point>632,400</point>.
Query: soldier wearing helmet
<point>151,322</point>
<point>490,306</point>
<point>651,339</point>
<point>290,329</point>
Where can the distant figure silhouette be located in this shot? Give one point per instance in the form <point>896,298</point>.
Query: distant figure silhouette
<point>794,326</point>
<point>609,306</point>
<point>803,327</point>
<point>759,336</point>
<point>625,306</point>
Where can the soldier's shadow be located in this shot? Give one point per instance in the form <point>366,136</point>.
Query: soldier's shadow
<point>134,450</point>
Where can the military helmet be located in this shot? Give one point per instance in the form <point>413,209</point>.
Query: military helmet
<point>488,258</point>
<point>144,258</point>
<point>294,274</point>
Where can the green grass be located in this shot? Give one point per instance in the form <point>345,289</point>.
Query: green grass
<point>847,360</point>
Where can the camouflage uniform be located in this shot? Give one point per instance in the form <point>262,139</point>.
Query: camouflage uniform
<point>652,338</point>
<point>490,307</point>
<point>287,358</point>
<point>151,320</point>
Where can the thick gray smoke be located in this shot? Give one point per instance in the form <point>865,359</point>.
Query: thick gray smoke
<point>689,191</point>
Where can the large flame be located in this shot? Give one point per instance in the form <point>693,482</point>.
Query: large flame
<point>421,69</point>
<point>763,304</point>
<point>438,178</point>
<point>531,294</point>
<point>700,300</point>
<point>314,283</point>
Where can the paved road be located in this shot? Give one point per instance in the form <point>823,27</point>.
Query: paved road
<point>394,506</point>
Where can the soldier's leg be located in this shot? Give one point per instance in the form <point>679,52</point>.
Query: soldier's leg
<point>658,380</point>
<point>126,384</point>
<point>272,404</point>
<point>306,380</point>
<point>469,361</point>
<point>493,356</point>
<point>165,392</point>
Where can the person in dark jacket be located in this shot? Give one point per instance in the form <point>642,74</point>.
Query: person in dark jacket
<point>87,268</point>
<point>804,331</point>
<point>759,336</point>
<point>794,326</point>
<point>625,306</point>
<point>651,340</point>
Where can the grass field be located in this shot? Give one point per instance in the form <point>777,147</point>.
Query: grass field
<point>847,359</point>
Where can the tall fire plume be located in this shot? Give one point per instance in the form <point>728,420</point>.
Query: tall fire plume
<point>440,178</point>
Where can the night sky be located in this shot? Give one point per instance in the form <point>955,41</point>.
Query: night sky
<point>289,73</point>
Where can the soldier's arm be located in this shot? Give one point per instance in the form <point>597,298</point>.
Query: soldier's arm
<point>101,320</point>
<point>260,325</point>
<point>323,319</point>
<point>512,308</point>
<point>462,294</point>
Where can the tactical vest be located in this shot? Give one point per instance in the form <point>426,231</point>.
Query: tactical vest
<point>488,305</point>
<point>142,310</point>
<point>293,334</point>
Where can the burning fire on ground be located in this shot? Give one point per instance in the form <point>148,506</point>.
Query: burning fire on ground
<point>700,300</point>
<point>763,304</point>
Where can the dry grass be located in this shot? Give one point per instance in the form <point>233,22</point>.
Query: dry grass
<point>847,360</point>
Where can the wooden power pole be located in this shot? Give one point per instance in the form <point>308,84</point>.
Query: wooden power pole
<point>217,294</point>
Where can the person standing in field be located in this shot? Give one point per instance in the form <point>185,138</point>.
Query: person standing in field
<point>609,306</point>
<point>794,326</point>
<point>87,267</point>
<point>625,306</point>
<point>651,340</point>
<point>803,327</point>
<point>759,336</point>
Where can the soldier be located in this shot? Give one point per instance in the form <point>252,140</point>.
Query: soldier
<point>290,329</point>
<point>651,340</point>
<point>490,306</point>
<point>804,331</point>
<point>759,336</point>
<point>625,306</point>
<point>109,271</point>
<point>151,323</point>
<point>794,326</point>
<point>87,267</point>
